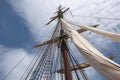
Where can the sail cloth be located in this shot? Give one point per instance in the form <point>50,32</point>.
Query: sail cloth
<point>102,64</point>
<point>57,39</point>
<point>112,35</point>
<point>82,65</point>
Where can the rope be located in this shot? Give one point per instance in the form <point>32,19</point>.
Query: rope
<point>57,58</point>
<point>39,62</point>
<point>46,64</point>
<point>100,18</point>
<point>61,62</point>
<point>15,67</point>
<point>29,66</point>
<point>73,66</point>
<point>34,64</point>
<point>76,61</point>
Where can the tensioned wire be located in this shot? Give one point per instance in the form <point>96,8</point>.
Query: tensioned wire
<point>32,68</point>
<point>55,30</point>
<point>24,57</point>
<point>92,17</point>
<point>107,18</point>
<point>16,65</point>
<point>74,60</point>
<point>52,36</point>
<point>31,65</point>
<point>38,62</point>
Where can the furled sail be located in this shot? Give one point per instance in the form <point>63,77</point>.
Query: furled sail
<point>112,35</point>
<point>102,64</point>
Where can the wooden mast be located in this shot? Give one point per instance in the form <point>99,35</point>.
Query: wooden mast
<point>81,66</point>
<point>64,50</point>
<point>62,39</point>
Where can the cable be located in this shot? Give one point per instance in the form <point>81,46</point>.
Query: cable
<point>43,59</point>
<point>101,18</point>
<point>15,66</point>
<point>73,66</point>
<point>56,63</point>
<point>35,63</point>
<point>76,61</point>
<point>29,66</point>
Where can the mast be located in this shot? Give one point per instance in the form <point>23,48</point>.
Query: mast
<point>64,50</point>
<point>45,67</point>
<point>102,64</point>
<point>62,39</point>
<point>68,61</point>
<point>82,65</point>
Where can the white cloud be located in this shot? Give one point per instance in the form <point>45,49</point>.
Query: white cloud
<point>10,58</point>
<point>36,13</point>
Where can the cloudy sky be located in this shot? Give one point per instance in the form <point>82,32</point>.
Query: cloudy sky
<point>22,25</point>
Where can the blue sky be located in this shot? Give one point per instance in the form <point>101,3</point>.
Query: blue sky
<point>14,35</point>
<point>13,31</point>
<point>22,26</point>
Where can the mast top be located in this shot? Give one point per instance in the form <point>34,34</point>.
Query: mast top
<point>60,12</point>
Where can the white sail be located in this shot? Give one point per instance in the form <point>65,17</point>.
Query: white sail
<point>112,35</point>
<point>102,64</point>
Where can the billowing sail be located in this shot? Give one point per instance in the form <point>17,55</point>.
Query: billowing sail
<point>102,64</point>
<point>112,35</point>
